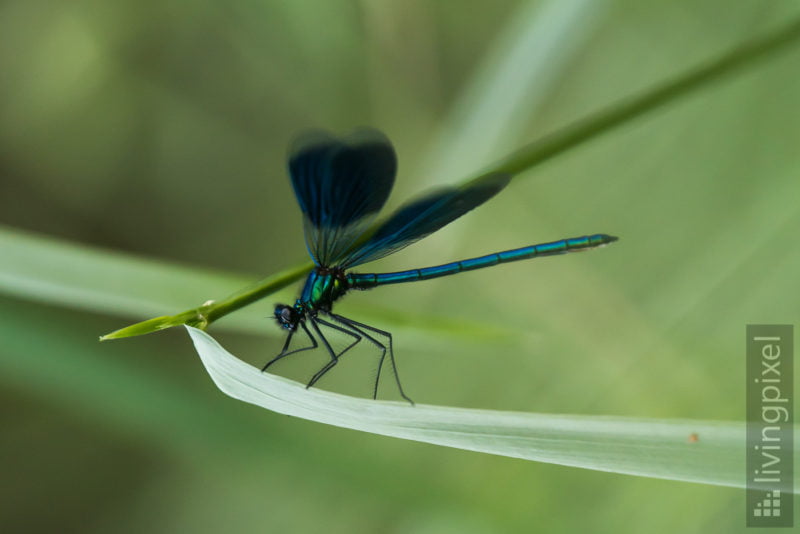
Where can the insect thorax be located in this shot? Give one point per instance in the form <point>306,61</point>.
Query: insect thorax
<point>323,286</point>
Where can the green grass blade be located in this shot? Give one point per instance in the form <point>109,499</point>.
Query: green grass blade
<point>54,271</point>
<point>710,452</point>
<point>212,310</point>
<point>50,270</point>
<point>637,106</point>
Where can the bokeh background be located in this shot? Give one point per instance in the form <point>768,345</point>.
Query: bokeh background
<point>159,129</point>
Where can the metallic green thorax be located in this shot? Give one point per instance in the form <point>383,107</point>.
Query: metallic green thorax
<point>323,286</point>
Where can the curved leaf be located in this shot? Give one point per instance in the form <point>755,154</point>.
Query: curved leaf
<point>710,452</point>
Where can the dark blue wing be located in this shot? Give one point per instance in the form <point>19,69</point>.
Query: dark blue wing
<point>424,216</point>
<point>340,184</point>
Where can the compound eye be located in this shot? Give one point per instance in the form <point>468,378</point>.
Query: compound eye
<point>286,316</point>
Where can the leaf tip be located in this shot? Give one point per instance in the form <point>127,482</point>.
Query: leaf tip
<point>145,327</point>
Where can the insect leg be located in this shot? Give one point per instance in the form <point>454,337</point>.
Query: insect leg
<point>334,357</point>
<point>284,353</point>
<point>357,326</point>
<point>344,330</point>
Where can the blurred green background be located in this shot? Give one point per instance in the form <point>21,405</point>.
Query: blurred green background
<point>160,129</point>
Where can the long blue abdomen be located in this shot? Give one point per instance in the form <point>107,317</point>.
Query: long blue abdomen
<point>575,244</point>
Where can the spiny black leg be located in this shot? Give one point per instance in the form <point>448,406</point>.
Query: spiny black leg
<point>344,330</point>
<point>334,357</point>
<point>284,353</point>
<point>382,348</point>
<point>355,325</point>
<point>328,366</point>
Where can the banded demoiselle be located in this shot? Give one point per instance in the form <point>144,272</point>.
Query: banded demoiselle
<point>341,184</point>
